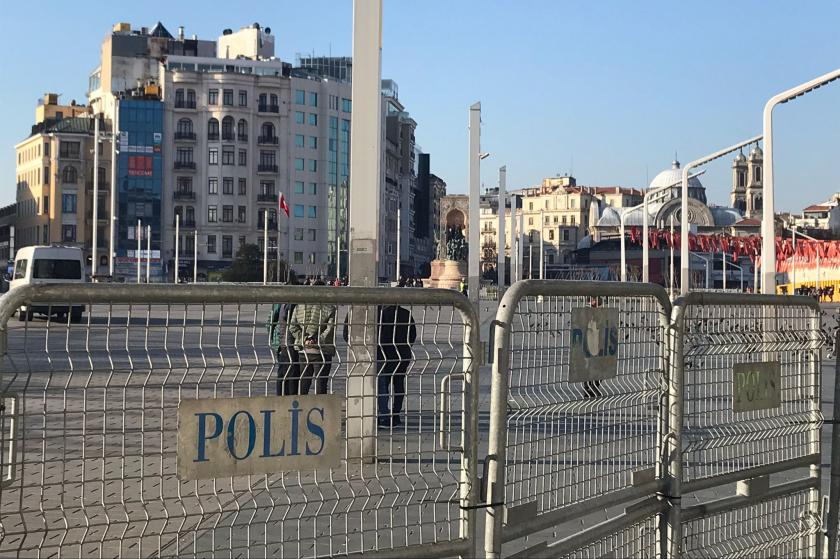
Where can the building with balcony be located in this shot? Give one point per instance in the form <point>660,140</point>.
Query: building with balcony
<point>54,179</point>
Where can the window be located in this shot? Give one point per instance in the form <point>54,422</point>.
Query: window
<point>190,215</point>
<point>227,128</point>
<point>313,99</point>
<point>184,184</point>
<point>242,129</point>
<point>299,140</point>
<point>313,212</point>
<point>243,98</point>
<point>241,214</point>
<point>266,188</point>
<point>530,221</point>
<point>227,246</point>
<point>185,128</point>
<point>20,268</point>
<point>313,188</point>
<point>298,233</point>
<point>227,185</point>
<point>267,132</point>
<point>551,234</point>
<point>564,220</point>
<point>345,105</point>
<point>273,102</point>
<point>757,173</point>
<point>243,187</point>
<point>742,179</point>
<point>228,155</point>
<point>211,244</point>
<point>299,117</point>
<point>213,156</point>
<point>212,129</point>
<point>267,158</point>
<point>68,203</point>
<point>70,150</point>
<point>179,97</point>
<point>565,234</point>
<point>530,206</point>
<point>313,142</point>
<point>68,233</point>
<point>213,185</point>
<point>313,165</point>
<point>573,203</point>
<point>573,220</point>
<point>313,119</point>
<point>184,155</point>
<point>334,102</point>
<point>191,98</point>
<point>299,164</point>
<point>243,240</point>
<point>69,174</point>
<point>243,157</point>
<point>227,214</point>
<point>298,258</point>
<point>300,97</point>
<point>312,234</point>
<point>213,97</point>
<point>262,102</point>
<point>311,257</point>
<point>298,210</point>
<point>211,214</point>
<point>298,187</point>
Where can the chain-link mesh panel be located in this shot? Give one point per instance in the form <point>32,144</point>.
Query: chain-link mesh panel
<point>568,442</point>
<point>717,439</point>
<point>90,428</point>
<point>785,526</point>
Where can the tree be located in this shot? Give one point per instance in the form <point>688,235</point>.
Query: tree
<point>246,267</point>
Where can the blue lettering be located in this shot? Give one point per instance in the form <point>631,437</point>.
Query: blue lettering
<point>295,412</point>
<point>202,433</point>
<point>267,437</point>
<point>577,337</point>
<point>316,430</point>
<point>231,435</point>
<point>613,345</point>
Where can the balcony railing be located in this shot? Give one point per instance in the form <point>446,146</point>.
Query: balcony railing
<point>243,137</point>
<point>266,168</point>
<point>185,136</point>
<point>182,104</point>
<point>185,165</point>
<point>274,140</point>
<point>268,108</point>
<point>228,137</point>
<point>266,197</point>
<point>213,136</point>
<point>185,224</point>
<point>188,195</point>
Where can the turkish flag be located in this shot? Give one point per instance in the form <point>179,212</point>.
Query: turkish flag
<point>284,205</point>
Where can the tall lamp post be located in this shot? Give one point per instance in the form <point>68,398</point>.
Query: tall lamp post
<point>684,226</point>
<point>768,228</point>
<point>501,237</point>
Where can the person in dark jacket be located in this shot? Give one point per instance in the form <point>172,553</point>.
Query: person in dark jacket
<point>397,333</point>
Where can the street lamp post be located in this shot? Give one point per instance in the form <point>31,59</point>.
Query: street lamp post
<point>94,268</point>
<point>501,237</point>
<point>768,228</point>
<point>148,253</point>
<point>474,168</point>
<point>113,225</point>
<point>684,226</point>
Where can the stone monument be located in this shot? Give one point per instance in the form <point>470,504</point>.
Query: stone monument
<point>450,266</point>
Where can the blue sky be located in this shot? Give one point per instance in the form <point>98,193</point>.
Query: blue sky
<point>608,90</point>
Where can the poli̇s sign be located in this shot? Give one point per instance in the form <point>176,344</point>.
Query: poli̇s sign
<point>594,344</point>
<point>221,437</point>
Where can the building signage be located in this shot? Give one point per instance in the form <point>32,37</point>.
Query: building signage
<point>222,437</point>
<point>594,344</point>
<point>756,386</point>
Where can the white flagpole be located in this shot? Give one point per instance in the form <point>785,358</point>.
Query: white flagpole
<point>148,252</point>
<point>139,248</point>
<point>265,248</point>
<point>177,239</point>
<point>195,256</point>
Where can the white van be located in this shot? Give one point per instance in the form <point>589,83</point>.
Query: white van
<point>48,264</point>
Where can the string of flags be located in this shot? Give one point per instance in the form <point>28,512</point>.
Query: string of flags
<point>740,246</point>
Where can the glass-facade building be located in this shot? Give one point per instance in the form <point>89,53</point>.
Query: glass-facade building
<point>140,180</point>
<point>338,153</point>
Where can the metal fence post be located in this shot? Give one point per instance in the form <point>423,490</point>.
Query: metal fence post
<point>834,488</point>
<point>673,439</point>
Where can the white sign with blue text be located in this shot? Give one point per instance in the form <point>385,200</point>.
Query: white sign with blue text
<point>594,344</point>
<point>222,437</point>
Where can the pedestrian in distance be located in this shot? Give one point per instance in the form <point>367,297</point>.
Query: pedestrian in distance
<point>312,327</point>
<point>462,287</point>
<point>397,333</point>
<point>282,343</point>
<point>592,388</point>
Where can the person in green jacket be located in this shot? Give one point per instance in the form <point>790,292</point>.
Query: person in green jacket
<point>312,327</point>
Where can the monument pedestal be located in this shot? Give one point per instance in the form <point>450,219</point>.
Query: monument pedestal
<point>447,274</point>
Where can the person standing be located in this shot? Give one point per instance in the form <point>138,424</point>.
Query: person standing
<point>282,344</point>
<point>312,327</point>
<point>397,333</point>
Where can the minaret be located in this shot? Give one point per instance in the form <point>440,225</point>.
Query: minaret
<point>754,182</point>
<point>738,198</point>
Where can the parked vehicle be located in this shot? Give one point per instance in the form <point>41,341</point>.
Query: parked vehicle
<point>48,264</point>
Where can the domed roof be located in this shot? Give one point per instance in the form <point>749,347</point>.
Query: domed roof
<point>756,153</point>
<point>673,177</point>
<point>740,158</point>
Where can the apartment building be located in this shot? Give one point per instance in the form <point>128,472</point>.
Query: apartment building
<point>54,178</point>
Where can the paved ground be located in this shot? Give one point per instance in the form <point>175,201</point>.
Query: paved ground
<point>96,441</point>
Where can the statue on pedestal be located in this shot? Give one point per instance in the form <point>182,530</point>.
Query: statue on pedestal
<point>456,245</point>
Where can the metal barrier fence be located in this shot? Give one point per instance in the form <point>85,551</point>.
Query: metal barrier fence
<point>578,382</point>
<point>603,395</point>
<point>144,429</point>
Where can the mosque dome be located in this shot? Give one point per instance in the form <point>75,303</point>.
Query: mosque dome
<point>756,153</point>
<point>673,177</point>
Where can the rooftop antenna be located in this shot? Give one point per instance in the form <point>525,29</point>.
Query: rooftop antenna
<point>572,165</point>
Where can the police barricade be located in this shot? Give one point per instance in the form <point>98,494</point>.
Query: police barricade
<point>200,420</point>
<point>746,392</point>
<point>579,379</point>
